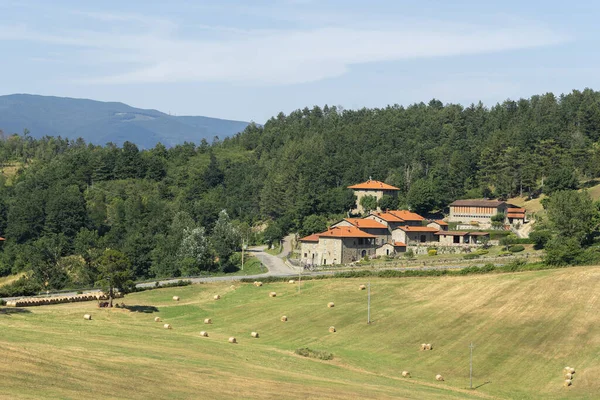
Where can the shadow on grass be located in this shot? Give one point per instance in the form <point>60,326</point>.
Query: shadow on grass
<point>142,309</point>
<point>13,310</point>
<point>484,383</point>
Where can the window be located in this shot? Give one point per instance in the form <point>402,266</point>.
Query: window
<point>360,241</point>
<point>387,252</point>
<point>423,238</point>
<point>456,239</point>
<point>305,255</point>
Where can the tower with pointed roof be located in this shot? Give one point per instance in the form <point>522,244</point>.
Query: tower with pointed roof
<point>371,188</point>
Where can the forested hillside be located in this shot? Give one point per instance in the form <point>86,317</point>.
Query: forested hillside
<point>162,207</point>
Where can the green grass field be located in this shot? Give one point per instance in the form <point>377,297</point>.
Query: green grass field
<point>525,326</point>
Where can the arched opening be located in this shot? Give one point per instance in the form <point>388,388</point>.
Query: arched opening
<point>363,254</point>
<point>387,252</point>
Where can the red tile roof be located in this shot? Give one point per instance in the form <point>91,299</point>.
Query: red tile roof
<point>346,231</point>
<point>310,238</point>
<point>516,215</point>
<point>365,223</point>
<point>477,203</point>
<point>407,215</point>
<point>1,239</point>
<point>479,233</point>
<point>441,222</point>
<point>516,210</point>
<point>418,229</point>
<point>373,185</point>
<point>398,244</point>
<point>388,217</point>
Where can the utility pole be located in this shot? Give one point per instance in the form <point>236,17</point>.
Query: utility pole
<point>243,254</point>
<point>369,304</point>
<point>471,367</point>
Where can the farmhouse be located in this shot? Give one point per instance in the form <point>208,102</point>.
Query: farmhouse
<point>375,228</point>
<point>480,212</point>
<point>371,188</point>
<point>338,245</point>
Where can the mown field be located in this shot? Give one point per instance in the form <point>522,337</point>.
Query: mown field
<point>525,326</point>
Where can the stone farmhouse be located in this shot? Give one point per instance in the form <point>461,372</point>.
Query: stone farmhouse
<point>480,212</point>
<point>372,188</point>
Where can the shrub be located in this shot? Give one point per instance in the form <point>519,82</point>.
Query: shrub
<point>409,253</point>
<point>471,256</point>
<point>516,248</point>
<point>21,287</point>
<point>539,238</point>
<point>432,252</point>
<point>321,355</point>
<point>489,267</point>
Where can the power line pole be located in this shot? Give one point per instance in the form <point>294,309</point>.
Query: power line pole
<point>471,367</point>
<point>369,304</point>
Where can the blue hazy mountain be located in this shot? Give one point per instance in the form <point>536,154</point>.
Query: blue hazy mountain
<point>101,122</point>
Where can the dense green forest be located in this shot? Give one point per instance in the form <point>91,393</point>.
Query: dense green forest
<point>182,210</point>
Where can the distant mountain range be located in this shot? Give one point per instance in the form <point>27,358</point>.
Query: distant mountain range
<point>100,122</point>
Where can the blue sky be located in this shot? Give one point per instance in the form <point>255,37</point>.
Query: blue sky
<point>248,60</point>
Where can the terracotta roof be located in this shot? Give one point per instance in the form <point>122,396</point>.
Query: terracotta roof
<point>452,233</point>
<point>516,215</point>
<point>346,231</point>
<point>479,233</point>
<point>407,215</point>
<point>373,185</point>
<point>398,244</point>
<point>365,223</point>
<point>516,210</point>
<point>440,222</point>
<point>418,229</point>
<point>388,217</point>
<point>310,238</point>
<point>1,239</point>
<point>477,203</point>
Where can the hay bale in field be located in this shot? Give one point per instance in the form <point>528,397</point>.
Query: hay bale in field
<point>440,378</point>
<point>258,283</point>
<point>273,294</point>
<point>330,304</point>
<point>568,375</point>
<point>423,346</point>
<point>156,319</point>
<point>176,298</point>
<point>167,326</point>
<point>88,317</point>
<point>567,369</point>
<point>332,329</point>
<point>204,333</point>
<point>207,321</point>
<point>284,318</point>
<point>428,347</point>
<point>291,281</point>
<point>568,382</point>
<point>572,370</point>
<point>217,297</point>
<point>254,334</point>
<point>232,340</point>
<point>406,374</point>
<point>362,287</point>
<point>232,287</point>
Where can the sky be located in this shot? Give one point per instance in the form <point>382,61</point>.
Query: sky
<point>250,60</point>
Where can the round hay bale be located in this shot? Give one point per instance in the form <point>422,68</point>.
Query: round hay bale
<point>332,329</point>
<point>284,318</point>
<point>217,297</point>
<point>88,317</point>
<point>440,378</point>
<point>254,334</point>
<point>176,298</point>
<point>207,321</point>
<point>291,281</point>
<point>232,287</point>
<point>273,294</point>
<point>572,370</point>
<point>204,333</point>
<point>429,347</point>
<point>232,340</point>
<point>423,346</point>
<point>330,304</point>
<point>568,375</point>
<point>167,326</point>
<point>156,319</point>
<point>567,369</point>
<point>362,287</point>
<point>568,382</point>
<point>259,284</point>
<point>406,374</point>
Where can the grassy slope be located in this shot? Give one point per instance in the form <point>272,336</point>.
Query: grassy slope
<point>535,205</point>
<point>526,327</point>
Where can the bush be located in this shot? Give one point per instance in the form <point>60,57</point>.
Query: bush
<point>516,248</point>
<point>21,287</point>
<point>471,256</point>
<point>489,267</point>
<point>432,252</point>
<point>321,355</point>
<point>540,238</point>
<point>497,235</point>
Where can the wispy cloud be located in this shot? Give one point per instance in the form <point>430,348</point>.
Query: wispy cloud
<point>140,49</point>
